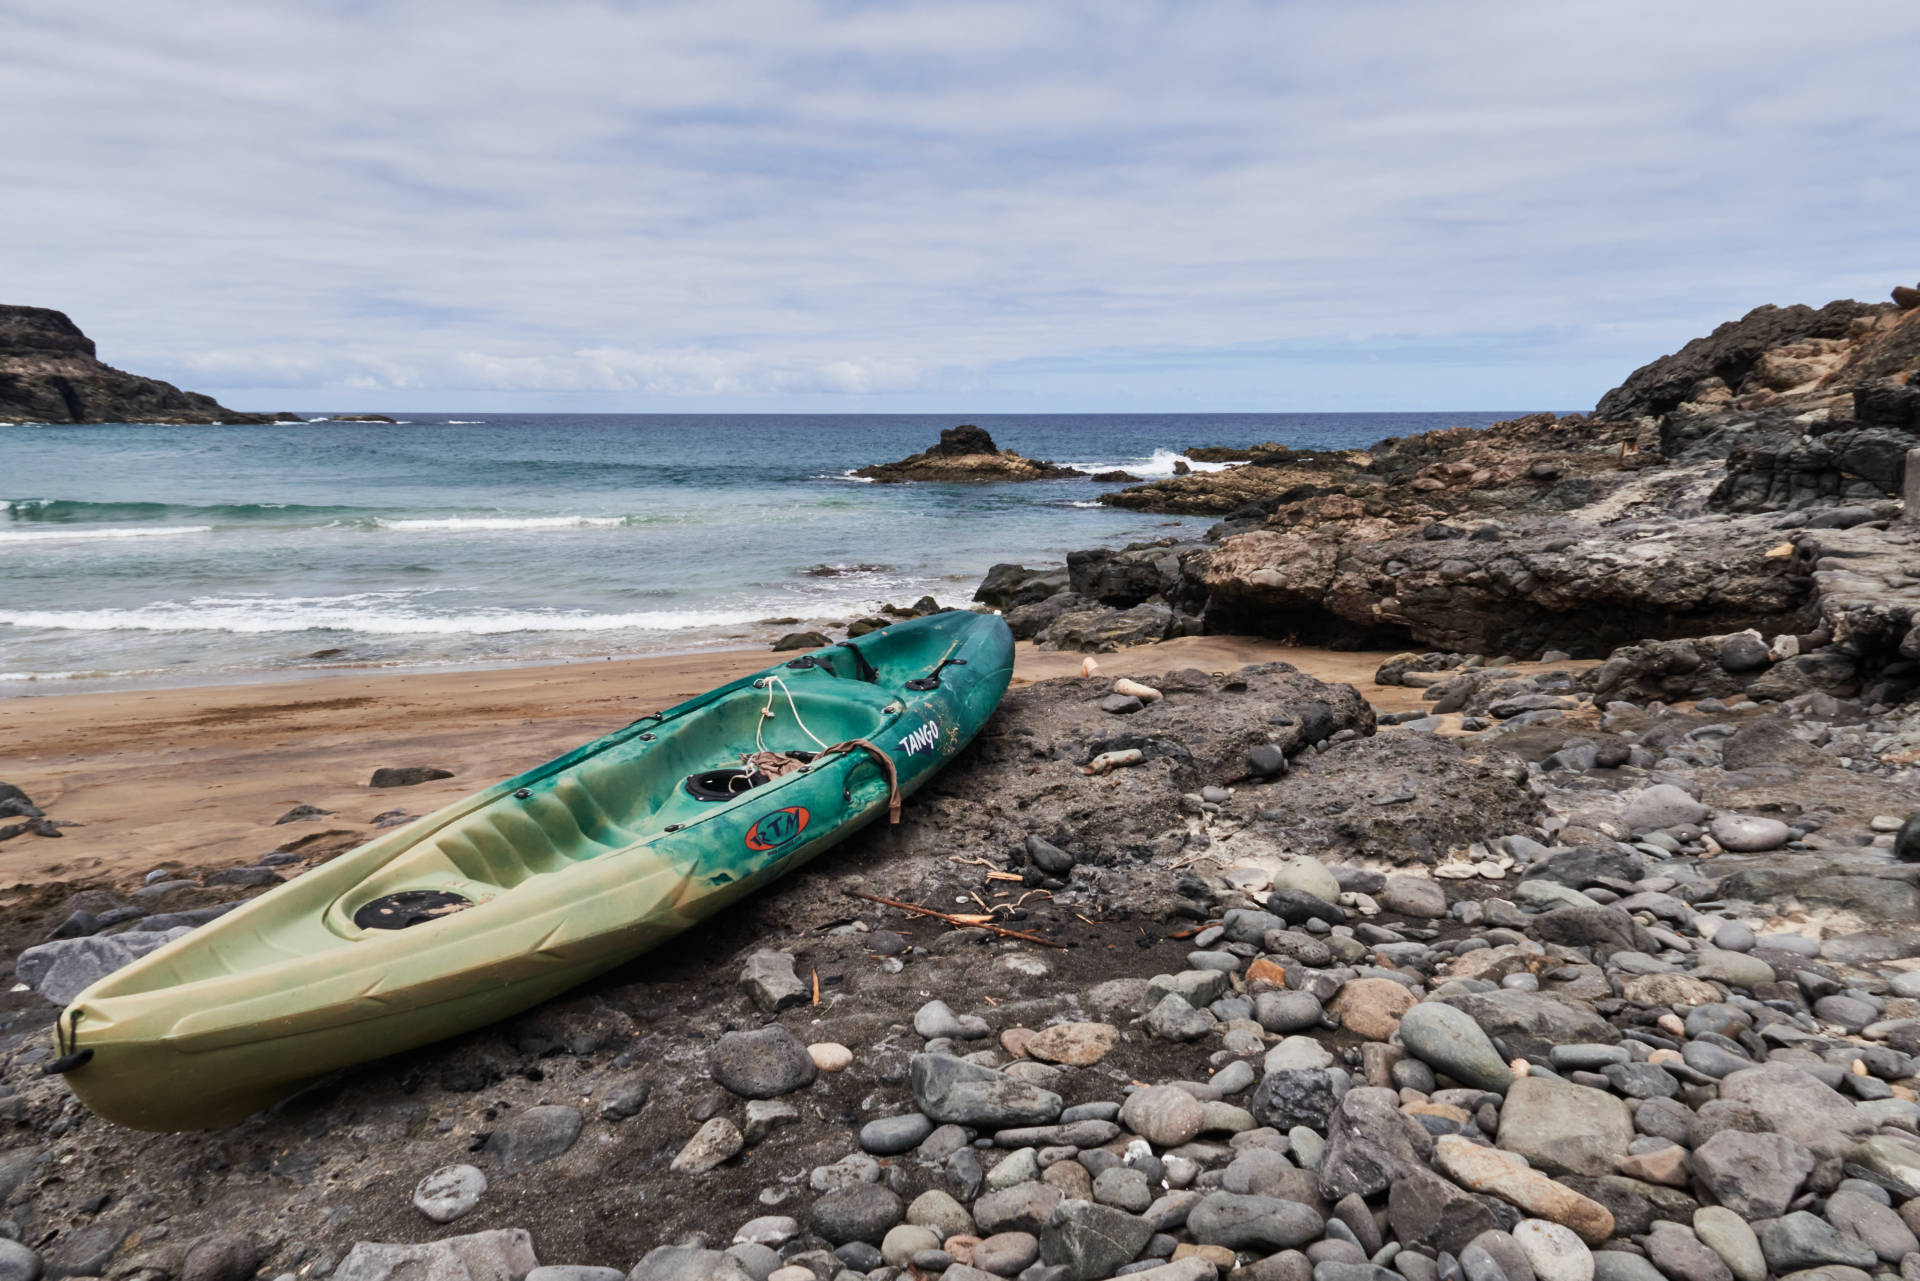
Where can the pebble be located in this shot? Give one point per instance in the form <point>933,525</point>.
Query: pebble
<point>1449,1041</point>
<point>903,1241</point>
<point>1507,1176</point>
<point>1745,835</point>
<point>449,1192</point>
<point>769,980</point>
<point>1371,1008</point>
<point>1164,1115</point>
<point>1074,1044</point>
<point>1005,1254</point>
<point>1414,896</point>
<point>830,1056</point>
<point>17,1262</point>
<point>935,1020</point>
<point>1661,805</point>
<point>858,1212</point>
<point>1734,937</point>
<point>892,1135</point>
<point>762,1064</point>
<point>1729,1236</point>
<point>713,1143</point>
<point>534,1136</point>
<point>1553,1252</point>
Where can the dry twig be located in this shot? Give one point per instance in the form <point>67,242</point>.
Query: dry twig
<point>953,919</point>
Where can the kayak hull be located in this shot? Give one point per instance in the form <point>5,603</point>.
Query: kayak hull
<point>563,872</point>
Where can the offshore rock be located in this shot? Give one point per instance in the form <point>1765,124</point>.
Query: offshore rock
<point>966,454</point>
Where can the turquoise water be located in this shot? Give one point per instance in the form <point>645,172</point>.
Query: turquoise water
<point>204,554</point>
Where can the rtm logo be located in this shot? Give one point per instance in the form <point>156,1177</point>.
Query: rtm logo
<point>777,828</point>
<point>922,739</point>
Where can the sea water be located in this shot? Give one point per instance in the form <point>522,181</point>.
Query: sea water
<point>140,553</point>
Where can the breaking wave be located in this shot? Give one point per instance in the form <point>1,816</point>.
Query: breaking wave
<point>369,613</point>
<point>1159,463</point>
<point>78,535</point>
<point>454,524</point>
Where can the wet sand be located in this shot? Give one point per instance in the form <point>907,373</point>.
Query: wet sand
<point>196,777</point>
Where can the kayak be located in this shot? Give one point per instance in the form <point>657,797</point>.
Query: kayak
<point>511,896</point>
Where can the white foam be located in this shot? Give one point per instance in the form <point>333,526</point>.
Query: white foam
<point>1085,504</point>
<point>66,535</point>
<point>372,614</point>
<point>466,422</point>
<point>848,475</point>
<point>1159,464</point>
<point>455,524</point>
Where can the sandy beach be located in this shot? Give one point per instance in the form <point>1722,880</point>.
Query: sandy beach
<point>196,777</point>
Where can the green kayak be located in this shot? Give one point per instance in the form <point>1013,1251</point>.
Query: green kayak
<point>511,896</point>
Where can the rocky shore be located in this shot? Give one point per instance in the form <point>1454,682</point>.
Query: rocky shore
<point>1749,482</point>
<point>1608,971</point>
<point>50,374</point>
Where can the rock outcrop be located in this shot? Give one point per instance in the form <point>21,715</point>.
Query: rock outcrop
<point>1748,482</point>
<point>968,455</point>
<point>1770,348</point>
<point>49,374</point>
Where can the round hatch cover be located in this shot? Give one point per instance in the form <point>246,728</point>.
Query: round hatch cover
<point>409,907</point>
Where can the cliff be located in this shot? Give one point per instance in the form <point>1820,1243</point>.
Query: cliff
<point>50,374</point>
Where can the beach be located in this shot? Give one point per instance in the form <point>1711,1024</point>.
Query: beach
<point>194,778</point>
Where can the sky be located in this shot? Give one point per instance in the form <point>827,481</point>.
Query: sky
<point>832,207</point>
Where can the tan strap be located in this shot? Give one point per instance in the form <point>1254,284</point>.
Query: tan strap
<point>886,763</point>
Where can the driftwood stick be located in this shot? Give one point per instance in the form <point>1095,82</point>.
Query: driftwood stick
<point>956,920</point>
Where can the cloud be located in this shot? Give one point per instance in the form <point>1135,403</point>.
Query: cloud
<point>832,205</point>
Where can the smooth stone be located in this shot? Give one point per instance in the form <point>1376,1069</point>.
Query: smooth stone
<point>449,1192</point>
<point>830,1056</point>
<point>1553,1252</point>
<point>892,1135</point>
<point>762,1064</point>
<point>1661,805</point>
<point>1164,1115</point>
<point>1563,1128</point>
<point>1448,1040</point>
<point>936,1019</point>
<point>1253,1222</point>
<point>1729,1236</point>
<point>1746,835</point>
<point>860,1212</point>
<point>1803,1240</point>
<point>904,1240</point>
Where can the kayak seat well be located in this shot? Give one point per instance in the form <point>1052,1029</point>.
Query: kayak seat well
<point>632,784</point>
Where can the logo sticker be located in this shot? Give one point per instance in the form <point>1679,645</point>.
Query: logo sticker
<point>922,739</point>
<point>777,828</point>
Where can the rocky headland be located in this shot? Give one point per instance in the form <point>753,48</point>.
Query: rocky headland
<point>50,374</point>
<point>1749,483</point>
<point>966,454</point>
<point>1602,969</point>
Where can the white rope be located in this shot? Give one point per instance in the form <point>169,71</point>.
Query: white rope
<point>766,714</point>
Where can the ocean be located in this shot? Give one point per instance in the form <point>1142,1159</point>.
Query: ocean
<point>134,554</point>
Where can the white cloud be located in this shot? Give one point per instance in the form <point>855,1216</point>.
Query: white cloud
<point>888,205</point>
